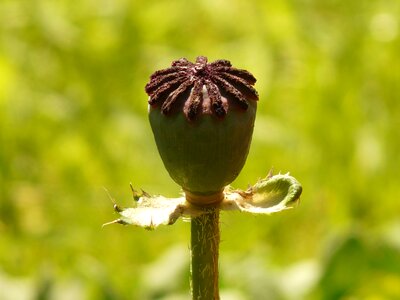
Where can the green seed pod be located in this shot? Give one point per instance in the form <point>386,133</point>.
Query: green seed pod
<point>202,117</point>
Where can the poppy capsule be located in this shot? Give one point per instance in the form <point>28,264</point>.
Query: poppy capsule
<point>202,117</point>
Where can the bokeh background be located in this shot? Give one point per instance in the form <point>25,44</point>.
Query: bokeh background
<point>73,122</point>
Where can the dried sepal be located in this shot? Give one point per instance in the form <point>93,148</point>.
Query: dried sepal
<point>270,195</point>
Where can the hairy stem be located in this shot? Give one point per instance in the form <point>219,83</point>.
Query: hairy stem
<point>204,255</point>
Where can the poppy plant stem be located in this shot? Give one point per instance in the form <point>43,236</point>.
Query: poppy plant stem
<point>205,238</point>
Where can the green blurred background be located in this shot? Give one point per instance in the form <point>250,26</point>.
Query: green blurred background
<point>73,121</point>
